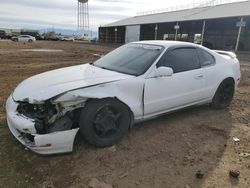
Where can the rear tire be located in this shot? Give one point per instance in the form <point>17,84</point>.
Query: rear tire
<point>224,94</point>
<point>104,122</point>
<point>30,41</point>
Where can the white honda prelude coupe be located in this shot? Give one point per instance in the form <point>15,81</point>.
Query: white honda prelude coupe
<point>103,99</point>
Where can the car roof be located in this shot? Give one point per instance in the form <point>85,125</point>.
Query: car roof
<point>25,35</point>
<point>165,43</point>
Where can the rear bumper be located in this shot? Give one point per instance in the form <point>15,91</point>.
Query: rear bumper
<point>24,131</point>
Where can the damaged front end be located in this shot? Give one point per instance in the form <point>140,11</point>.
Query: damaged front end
<point>48,117</point>
<point>45,128</point>
<point>41,113</point>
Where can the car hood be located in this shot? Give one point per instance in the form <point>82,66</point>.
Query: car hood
<point>44,86</point>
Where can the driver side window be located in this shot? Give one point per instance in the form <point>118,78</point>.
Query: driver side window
<point>180,59</point>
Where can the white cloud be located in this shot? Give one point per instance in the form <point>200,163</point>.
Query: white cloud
<point>62,13</point>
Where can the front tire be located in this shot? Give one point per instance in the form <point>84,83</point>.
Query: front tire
<point>224,94</point>
<point>104,122</point>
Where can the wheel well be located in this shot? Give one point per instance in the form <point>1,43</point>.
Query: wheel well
<point>229,78</point>
<point>76,112</point>
<point>217,103</point>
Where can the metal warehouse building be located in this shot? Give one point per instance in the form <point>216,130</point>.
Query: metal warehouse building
<point>217,26</point>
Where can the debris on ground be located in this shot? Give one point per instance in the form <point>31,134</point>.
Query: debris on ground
<point>137,183</point>
<point>236,139</point>
<point>187,186</point>
<point>199,174</point>
<point>245,155</point>
<point>96,55</point>
<point>123,175</point>
<point>112,149</point>
<point>234,173</point>
<point>95,183</point>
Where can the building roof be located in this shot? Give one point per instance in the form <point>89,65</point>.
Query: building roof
<point>210,12</point>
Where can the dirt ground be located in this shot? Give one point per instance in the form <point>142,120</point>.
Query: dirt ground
<point>163,152</point>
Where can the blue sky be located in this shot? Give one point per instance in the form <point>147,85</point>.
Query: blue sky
<point>40,14</point>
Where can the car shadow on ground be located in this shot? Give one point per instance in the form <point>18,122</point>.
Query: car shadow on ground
<point>163,152</point>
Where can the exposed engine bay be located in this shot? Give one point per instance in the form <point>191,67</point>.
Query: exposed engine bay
<point>51,117</point>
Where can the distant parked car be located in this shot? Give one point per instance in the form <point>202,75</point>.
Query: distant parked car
<point>23,38</point>
<point>39,37</point>
<point>67,38</point>
<point>2,34</point>
<point>52,37</point>
<point>32,33</point>
<point>94,40</point>
<point>83,38</point>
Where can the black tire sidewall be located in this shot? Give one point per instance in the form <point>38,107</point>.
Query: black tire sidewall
<point>88,114</point>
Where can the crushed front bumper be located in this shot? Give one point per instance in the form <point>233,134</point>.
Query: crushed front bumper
<point>23,129</point>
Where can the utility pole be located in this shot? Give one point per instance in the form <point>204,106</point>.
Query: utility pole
<point>176,27</point>
<point>239,24</point>
<point>156,29</point>
<point>203,31</point>
<point>106,35</point>
<point>115,35</point>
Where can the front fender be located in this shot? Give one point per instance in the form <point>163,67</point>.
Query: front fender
<point>129,91</point>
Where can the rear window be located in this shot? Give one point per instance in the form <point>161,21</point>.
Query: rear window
<point>206,58</point>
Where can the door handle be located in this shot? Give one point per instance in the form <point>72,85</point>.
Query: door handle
<point>199,76</point>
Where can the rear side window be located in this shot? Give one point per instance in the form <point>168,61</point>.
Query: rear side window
<point>180,59</point>
<point>206,58</point>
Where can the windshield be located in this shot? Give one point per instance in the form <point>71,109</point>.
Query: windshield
<point>133,59</point>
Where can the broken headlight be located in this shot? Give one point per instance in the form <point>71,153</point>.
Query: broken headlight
<point>41,113</point>
<point>36,111</point>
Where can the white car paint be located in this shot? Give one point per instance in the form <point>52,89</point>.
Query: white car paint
<point>168,97</point>
<point>56,142</point>
<point>66,38</point>
<point>44,86</point>
<point>24,38</point>
<point>145,95</point>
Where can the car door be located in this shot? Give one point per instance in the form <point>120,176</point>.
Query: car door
<point>21,38</point>
<point>26,38</point>
<point>186,85</point>
<point>208,63</point>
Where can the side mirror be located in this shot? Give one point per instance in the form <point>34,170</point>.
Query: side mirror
<point>163,72</point>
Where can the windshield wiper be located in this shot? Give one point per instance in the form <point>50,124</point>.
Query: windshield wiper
<point>103,68</point>
<point>92,63</point>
